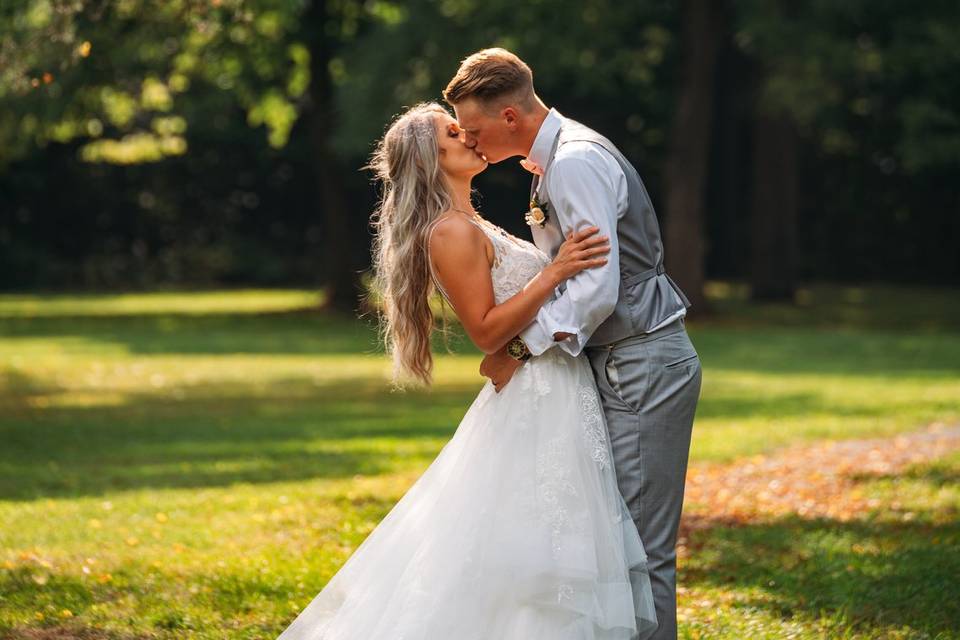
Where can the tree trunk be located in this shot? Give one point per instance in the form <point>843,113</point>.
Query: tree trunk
<point>340,273</point>
<point>774,208</point>
<point>688,160</point>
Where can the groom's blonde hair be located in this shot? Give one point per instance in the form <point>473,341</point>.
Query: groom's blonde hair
<point>492,77</point>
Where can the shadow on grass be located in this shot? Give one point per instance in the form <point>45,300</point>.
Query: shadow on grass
<point>216,435</point>
<point>873,306</point>
<point>870,574</point>
<point>805,350</point>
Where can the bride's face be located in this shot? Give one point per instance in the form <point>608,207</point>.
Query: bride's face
<point>456,159</point>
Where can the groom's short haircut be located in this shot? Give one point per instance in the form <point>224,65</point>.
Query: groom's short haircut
<point>492,76</point>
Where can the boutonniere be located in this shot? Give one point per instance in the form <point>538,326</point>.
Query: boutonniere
<point>538,214</point>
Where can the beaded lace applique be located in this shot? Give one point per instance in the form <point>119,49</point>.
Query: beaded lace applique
<point>593,430</point>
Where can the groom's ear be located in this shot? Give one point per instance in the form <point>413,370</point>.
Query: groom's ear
<point>511,117</point>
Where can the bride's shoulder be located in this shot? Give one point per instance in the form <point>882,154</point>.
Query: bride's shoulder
<point>455,233</point>
<point>451,228</point>
<point>453,238</point>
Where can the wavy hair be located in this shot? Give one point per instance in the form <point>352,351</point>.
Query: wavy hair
<point>414,194</point>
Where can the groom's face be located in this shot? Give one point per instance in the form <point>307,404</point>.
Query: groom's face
<point>487,131</point>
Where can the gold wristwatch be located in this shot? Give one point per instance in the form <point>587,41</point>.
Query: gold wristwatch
<point>517,349</point>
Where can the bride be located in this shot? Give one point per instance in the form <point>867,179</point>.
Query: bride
<point>517,530</point>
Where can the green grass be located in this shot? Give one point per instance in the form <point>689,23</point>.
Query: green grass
<point>197,465</point>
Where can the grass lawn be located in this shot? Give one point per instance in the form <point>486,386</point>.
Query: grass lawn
<point>197,465</point>
<point>891,573</point>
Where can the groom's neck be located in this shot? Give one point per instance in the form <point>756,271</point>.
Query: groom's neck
<point>531,126</point>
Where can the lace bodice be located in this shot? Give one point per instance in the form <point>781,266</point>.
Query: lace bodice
<point>515,263</point>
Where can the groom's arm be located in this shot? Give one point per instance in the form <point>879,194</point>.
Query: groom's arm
<point>587,187</point>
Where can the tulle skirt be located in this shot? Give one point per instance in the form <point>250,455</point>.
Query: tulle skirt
<point>515,532</point>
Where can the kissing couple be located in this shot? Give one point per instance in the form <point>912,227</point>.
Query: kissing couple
<point>552,512</point>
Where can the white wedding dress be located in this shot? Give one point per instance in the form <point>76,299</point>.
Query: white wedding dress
<point>516,531</point>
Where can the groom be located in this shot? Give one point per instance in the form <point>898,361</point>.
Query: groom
<point>627,315</point>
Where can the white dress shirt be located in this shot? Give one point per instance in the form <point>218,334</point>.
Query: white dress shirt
<point>586,187</point>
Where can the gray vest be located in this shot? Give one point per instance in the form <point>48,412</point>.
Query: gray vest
<point>647,294</point>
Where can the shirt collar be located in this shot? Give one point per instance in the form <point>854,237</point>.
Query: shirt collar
<point>543,143</point>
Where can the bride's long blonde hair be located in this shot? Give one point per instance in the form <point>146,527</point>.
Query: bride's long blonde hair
<point>415,193</point>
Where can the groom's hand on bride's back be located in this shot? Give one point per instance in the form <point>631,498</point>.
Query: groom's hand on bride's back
<point>499,367</point>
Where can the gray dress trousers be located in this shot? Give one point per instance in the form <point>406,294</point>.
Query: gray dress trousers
<point>649,386</point>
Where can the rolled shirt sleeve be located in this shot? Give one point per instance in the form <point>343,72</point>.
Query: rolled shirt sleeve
<point>586,187</point>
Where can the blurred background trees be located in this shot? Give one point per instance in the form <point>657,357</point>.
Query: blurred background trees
<point>148,143</point>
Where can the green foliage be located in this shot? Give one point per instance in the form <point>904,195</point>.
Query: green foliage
<point>101,73</point>
<point>869,79</point>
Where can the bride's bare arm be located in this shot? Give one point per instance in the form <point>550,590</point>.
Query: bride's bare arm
<point>462,256</point>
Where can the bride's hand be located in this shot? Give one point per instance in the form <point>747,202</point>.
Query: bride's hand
<point>581,250</point>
